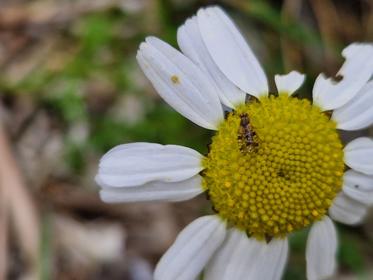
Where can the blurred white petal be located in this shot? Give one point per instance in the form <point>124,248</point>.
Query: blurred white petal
<point>154,191</point>
<point>347,211</point>
<point>230,51</point>
<point>358,112</point>
<point>136,164</point>
<point>321,250</point>
<point>355,72</point>
<point>180,83</point>
<point>242,258</point>
<point>191,43</point>
<point>359,187</point>
<point>289,83</point>
<point>192,250</point>
<point>359,155</point>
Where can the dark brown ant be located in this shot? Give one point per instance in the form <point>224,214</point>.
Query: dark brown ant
<point>246,134</point>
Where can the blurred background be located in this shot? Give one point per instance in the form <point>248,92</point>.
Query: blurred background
<point>70,89</point>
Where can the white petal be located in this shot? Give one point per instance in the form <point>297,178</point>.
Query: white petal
<point>191,43</point>
<point>234,258</point>
<point>230,51</point>
<point>246,258</point>
<point>347,211</point>
<point>271,260</point>
<point>358,112</point>
<point>359,155</point>
<point>356,72</point>
<point>359,187</point>
<point>135,164</point>
<point>192,250</point>
<point>180,83</point>
<point>321,250</point>
<point>153,191</point>
<point>289,83</point>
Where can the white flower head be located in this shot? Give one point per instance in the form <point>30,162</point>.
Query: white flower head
<point>276,163</point>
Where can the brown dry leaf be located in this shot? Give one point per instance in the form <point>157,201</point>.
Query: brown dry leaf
<point>30,61</point>
<point>90,243</point>
<point>368,21</point>
<point>3,233</point>
<point>354,30</point>
<point>59,12</point>
<point>22,211</point>
<point>39,153</point>
<point>292,56</point>
<point>327,19</point>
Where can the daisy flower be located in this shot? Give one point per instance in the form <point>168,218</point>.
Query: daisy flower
<point>275,165</point>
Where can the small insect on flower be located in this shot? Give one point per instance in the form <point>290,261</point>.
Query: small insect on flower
<point>246,135</point>
<point>275,165</point>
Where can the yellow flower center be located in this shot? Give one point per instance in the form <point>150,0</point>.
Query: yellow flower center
<point>274,166</point>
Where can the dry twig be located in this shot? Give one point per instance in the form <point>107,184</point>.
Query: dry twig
<point>17,205</point>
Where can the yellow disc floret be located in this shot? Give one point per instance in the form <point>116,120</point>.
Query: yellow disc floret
<point>274,166</point>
